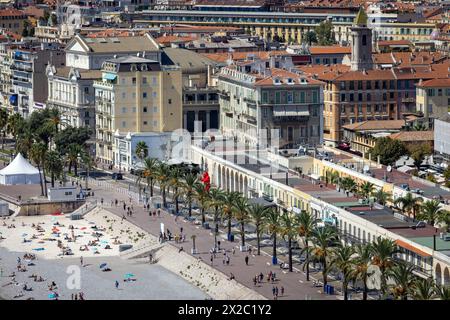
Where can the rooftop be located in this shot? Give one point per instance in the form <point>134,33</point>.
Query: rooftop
<point>413,136</point>
<point>375,125</point>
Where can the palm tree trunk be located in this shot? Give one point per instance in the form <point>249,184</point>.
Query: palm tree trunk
<point>274,253</point>
<point>53,179</point>
<point>75,169</point>
<point>324,272</point>
<point>365,288</point>
<point>40,180</point>
<point>258,240</point>
<point>176,200</point>
<point>290,254</point>
<point>242,234</point>
<point>307,259</point>
<point>203,215</point>
<point>229,225</point>
<point>164,197</point>
<point>345,289</point>
<point>45,181</point>
<point>190,207</point>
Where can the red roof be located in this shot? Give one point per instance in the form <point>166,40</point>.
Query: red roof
<point>11,12</point>
<point>435,83</point>
<point>330,50</point>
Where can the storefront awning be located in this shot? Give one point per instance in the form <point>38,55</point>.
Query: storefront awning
<point>290,111</point>
<point>409,247</point>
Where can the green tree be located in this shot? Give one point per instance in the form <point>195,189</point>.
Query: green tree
<point>215,201</point>
<point>149,173</point>
<point>203,197</point>
<point>349,185</point>
<point>403,277</point>
<point>306,225</point>
<point>176,184</point>
<point>162,175</point>
<point>14,127</point>
<point>38,153</point>
<point>73,154</point>
<point>383,251</point>
<point>258,213</point>
<point>289,231</point>
<point>70,135</point>
<point>323,240</point>
<point>382,197</point>
<point>409,203</point>
<point>241,208</point>
<point>141,150</point>
<point>342,260</point>
<point>325,34</point>
<point>273,226</point>
<point>424,289</point>
<point>188,186</point>
<point>229,199</point>
<point>310,37</point>
<point>362,263</point>
<point>389,150</point>
<point>54,165</point>
<point>430,211</point>
<point>418,153</point>
<point>366,189</point>
<point>442,292</point>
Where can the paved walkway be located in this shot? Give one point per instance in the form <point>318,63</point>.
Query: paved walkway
<point>295,284</point>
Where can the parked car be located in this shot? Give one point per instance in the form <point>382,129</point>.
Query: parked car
<point>117,176</point>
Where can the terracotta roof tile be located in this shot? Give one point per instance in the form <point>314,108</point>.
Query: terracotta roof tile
<point>433,83</point>
<point>413,136</point>
<point>376,125</point>
<point>330,50</point>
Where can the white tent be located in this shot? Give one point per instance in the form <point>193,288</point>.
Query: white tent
<point>20,171</point>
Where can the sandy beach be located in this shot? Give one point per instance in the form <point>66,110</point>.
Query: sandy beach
<point>147,281</point>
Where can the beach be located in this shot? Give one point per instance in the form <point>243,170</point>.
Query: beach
<point>144,280</point>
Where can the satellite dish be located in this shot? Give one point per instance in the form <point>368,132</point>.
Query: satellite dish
<point>389,168</point>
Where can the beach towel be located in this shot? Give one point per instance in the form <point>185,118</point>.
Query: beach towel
<point>39,249</point>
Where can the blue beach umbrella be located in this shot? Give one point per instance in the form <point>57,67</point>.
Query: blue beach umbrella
<point>103,265</point>
<point>129,275</point>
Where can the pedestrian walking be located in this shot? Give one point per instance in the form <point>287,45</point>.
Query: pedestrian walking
<point>181,249</point>
<point>81,261</point>
<point>282,291</point>
<point>212,259</point>
<point>116,202</point>
<point>228,260</point>
<point>117,284</point>
<point>159,213</point>
<point>246,260</point>
<point>124,206</point>
<point>254,281</point>
<point>233,251</point>
<point>101,201</point>
<point>273,292</point>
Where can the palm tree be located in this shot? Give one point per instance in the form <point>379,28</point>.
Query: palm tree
<point>442,292</point>
<point>141,150</point>
<point>403,276</point>
<point>334,177</point>
<point>14,126</point>
<point>54,165</point>
<point>229,199</point>
<point>430,211</point>
<point>273,226</point>
<point>409,203</point>
<point>366,189</point>
<point>37,154</point>
<point>383,251</point>
<point>188,186</point>
<point>54,119</point>
<point>162,175</point>
<point>343,261</point>
<point>306,225</point>
<point>382,197</point>
<point>202,196</point>
<point>176,183</point>
<point>3,124</point>
<point>241,214</point>
<point>216,197</point>
<point>289,230</point>
<point>349,185</point>
<point>25,141</point>
<point>424,289</point>
<point>149,173</point>
<point>257,213</point>
<point>362,263</point>
<point>74,152</point>
<point>323,240</point>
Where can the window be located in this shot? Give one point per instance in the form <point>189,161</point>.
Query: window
<point>384,84</point>
<point>430,92</point>
<point>155,123</point>
<point>133,80</point>
<point>144,109</point>
<point>342,85</point>
<point>134,109</point>
<point>364,40</point>
<point>391,95</point>
<point>352,85</point>
<point>278,97</point>
<point>124,110</point>
<point>369,97</point>
<point>342,97</point>
<point>124,95</point>
<point>302,97</point>
<point>145,123</point>
<point>368,85</point>
<point>377,85</point>
<point>170,101</point>
<point>124,124</point>
<point>290,97</point>
<point>369,108</point>
<point>360,97</point>
<point>86,90</point>
<point>314,96</point>
<point>144,95</point>
<point>265,112</point>
<point>360,86</point>
<point>351,97</point>
<point>155,109</point>
<point>144,79</point>
<point>264,97</point>
<point>133,95</point>
<point>440,92</point>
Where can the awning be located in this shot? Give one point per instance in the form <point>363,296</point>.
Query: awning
<point>409,247</point>
<point>290,111</point>
<point>109,76</point>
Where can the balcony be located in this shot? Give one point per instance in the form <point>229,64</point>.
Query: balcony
<point>103,85</point>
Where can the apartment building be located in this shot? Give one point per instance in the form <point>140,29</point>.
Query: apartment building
<point>433,99</point>
<point>200,93</point>
<point>259,95</point>
<point>135,95</point>
<point>71,87</point>
<point>29,89</point>
<point>12,20</point>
